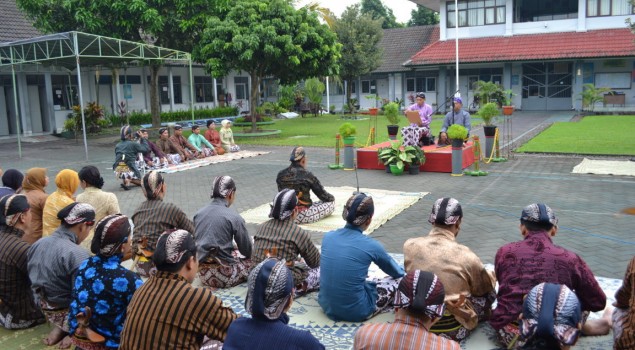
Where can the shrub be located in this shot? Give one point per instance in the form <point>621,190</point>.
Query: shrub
<point>347,130</point>
<point>457,132</point>
<point>391,110</point>
<point>137,118</point>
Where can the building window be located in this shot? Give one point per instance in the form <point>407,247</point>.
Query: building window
<point>164,89</point>
<point>410,85</point>
<point>544,10</point>
<point>65,92</point>
<point>609,8</point>
<point>476,12</point>
<point>204,89</point>
<point>242,92</point>
<point>353,87</point>
<point>369,87</point>
<point>431,84</point>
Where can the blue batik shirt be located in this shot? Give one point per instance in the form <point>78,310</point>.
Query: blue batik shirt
<point>106,287</point>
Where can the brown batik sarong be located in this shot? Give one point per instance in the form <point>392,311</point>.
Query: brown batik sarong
<point>215,273</point>
<point>56,315</point>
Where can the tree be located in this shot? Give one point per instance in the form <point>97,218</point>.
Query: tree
<point>268,38</point>
<point>376,10</point>
<point>359,35</point>
<point>423,16</point>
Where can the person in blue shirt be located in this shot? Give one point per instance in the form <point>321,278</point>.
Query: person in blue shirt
<point>269,296</point>
<point>345,293</point>
<point>456,116</point>
<point>103,284</point>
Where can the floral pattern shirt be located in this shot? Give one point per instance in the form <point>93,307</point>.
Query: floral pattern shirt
<point>106,287</point>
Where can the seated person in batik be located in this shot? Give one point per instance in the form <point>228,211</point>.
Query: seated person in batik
<point>213,136</point>
<point>180,141</point>
<point>227,137</point>
<point>18,309</point>
<point>469,287</point>
<point>624,312</point>
<point>102,284</point>
<point>159,160</point>
<point>217,227</point>
<point>345,292</point>
<point>418,305</point>
<point>200,143</point>
<point>153,217</point>
<point>269,297</point>
<point>11,182</point>
<point>414,134</point>
<point>551,317</point>
<point>172,151</point>
<point>550,263</point>
<point>283,239</point>
<point>53,265</point>
<point>126,155</point>
<point>297,178</point>
<point>167,312</point>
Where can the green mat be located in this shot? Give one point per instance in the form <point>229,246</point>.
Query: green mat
<point>25,339</point>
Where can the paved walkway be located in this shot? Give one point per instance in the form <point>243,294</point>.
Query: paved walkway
<point>585,204</point>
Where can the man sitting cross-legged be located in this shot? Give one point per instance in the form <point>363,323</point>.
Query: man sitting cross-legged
<point>166,312</point>
<point>418,305</point>
<point>187,148</point>
<point>296,177</point>
<point>469,288</point>
<point>345,293</point>
<point>159,160</point>
<point>522,265</point>
<point>153,217</point>
<point>282,238</point>
<point>53,265</point>
<point>269,297</point>
<point>200,143</point>
<point>173,152</point>
<point>18,309</point>
<point>217,226</point>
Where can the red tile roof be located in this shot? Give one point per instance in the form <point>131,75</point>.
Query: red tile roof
<point>591,44</point>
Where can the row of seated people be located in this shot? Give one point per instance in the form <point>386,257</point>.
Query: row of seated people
<point>56,262</point>
<point>168,149</point>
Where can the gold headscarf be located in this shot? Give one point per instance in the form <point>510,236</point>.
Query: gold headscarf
<point>34,179</point>
<point>67,182</point>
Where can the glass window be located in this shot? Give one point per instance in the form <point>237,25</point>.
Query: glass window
<point>204,89</point>
<point>365,86</point>
<point>410,85</point>
<point>431,84</point>
<point>241,88</point>
<point>65,92</point>
<point>476,13</point>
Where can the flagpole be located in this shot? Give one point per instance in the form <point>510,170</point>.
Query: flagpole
<point>456,45</point>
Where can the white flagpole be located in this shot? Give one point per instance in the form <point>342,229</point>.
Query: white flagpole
<point>456,44</point>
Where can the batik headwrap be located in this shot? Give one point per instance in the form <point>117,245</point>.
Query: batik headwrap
<point>420,95</point>
<point>297,154</point>
<point>421,292</point>
<point>111,233</point>
<point>67,182</point>
<point>540,214</point>
<point>76,213</point>
<point>152,184</point>
<point>358,209</point>
<point>34,179</point>
<point>126,131</point>
<point>12,178</point>
<point>445,211</point>
<point>12,205</point>
<point>162,130</point>
<point>172,248</point>
<point>283,204</point>
<point>551,310</point>
<point>222,186</point>
<point>270,285</point>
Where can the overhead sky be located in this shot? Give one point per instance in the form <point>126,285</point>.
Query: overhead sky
<point>401,8</point>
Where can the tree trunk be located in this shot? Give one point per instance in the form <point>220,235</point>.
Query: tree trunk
<point>348,94</point>
<point>253,100</point>
<point>155,106</point>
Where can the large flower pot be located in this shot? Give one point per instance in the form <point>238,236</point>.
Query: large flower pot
<point>373,111</point>
<point>508,110</point>
<point>349,152</point>
<point>457,157</point>
<point>413,169</point>
<point>490,133</point>
<point>392,131</point>
<point>394,169</point>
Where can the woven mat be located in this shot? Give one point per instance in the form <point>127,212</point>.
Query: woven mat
<point>305,313</point>
<point>605,167</point>
<point>387,205</point>
<point>197,163</point>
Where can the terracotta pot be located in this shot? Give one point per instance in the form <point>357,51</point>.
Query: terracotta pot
<point>373,111</point>
<point>508,110</point>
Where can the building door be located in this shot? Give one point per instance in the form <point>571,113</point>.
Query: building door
<point>547,86</point>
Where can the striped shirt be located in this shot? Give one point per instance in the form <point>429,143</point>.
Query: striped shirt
<point>53,264</point>
<point>166,312</point>
<point>285,240</point>
<point>625,299</point>
<point>406,333</point>
<point>154,217</point>
<point>15,286</point>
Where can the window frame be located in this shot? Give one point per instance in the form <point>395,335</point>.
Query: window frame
<point>599,5</point>
<point>465,7</point>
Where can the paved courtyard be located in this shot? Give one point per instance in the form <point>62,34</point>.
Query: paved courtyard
<point>585,204</point>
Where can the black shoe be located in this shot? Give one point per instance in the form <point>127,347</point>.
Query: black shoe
<point>126,188</point>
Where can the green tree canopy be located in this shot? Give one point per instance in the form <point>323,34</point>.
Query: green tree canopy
<point>423,16</point>
<point>376,10</point>
<point>359,35</point>
<point>268,38</point>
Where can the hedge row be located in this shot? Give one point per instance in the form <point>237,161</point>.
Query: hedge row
<point>218,112</point>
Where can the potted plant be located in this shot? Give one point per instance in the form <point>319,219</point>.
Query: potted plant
<point>332,109</point>
<point>508,108</point>
<point>373,109</point>
<point>391,111</point>
<point>347,132</point>
<point>488,112</point>
<point>416,158</point>
<point>395,157</point>
<point>457,134</point>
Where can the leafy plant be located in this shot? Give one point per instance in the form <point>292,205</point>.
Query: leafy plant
<point>591,95</point>
<point>332,108</point>
<point>286,96</point>
<point>396,155</point>
<point>347,130</point>
<point>488,112</point>
<point>418,156</point>
<point>457,132</point>
<point>507,97</point>
<point>314,89</point>
<point>391,111</point>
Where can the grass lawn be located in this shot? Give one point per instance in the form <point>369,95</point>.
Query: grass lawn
<point>610,135</point>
